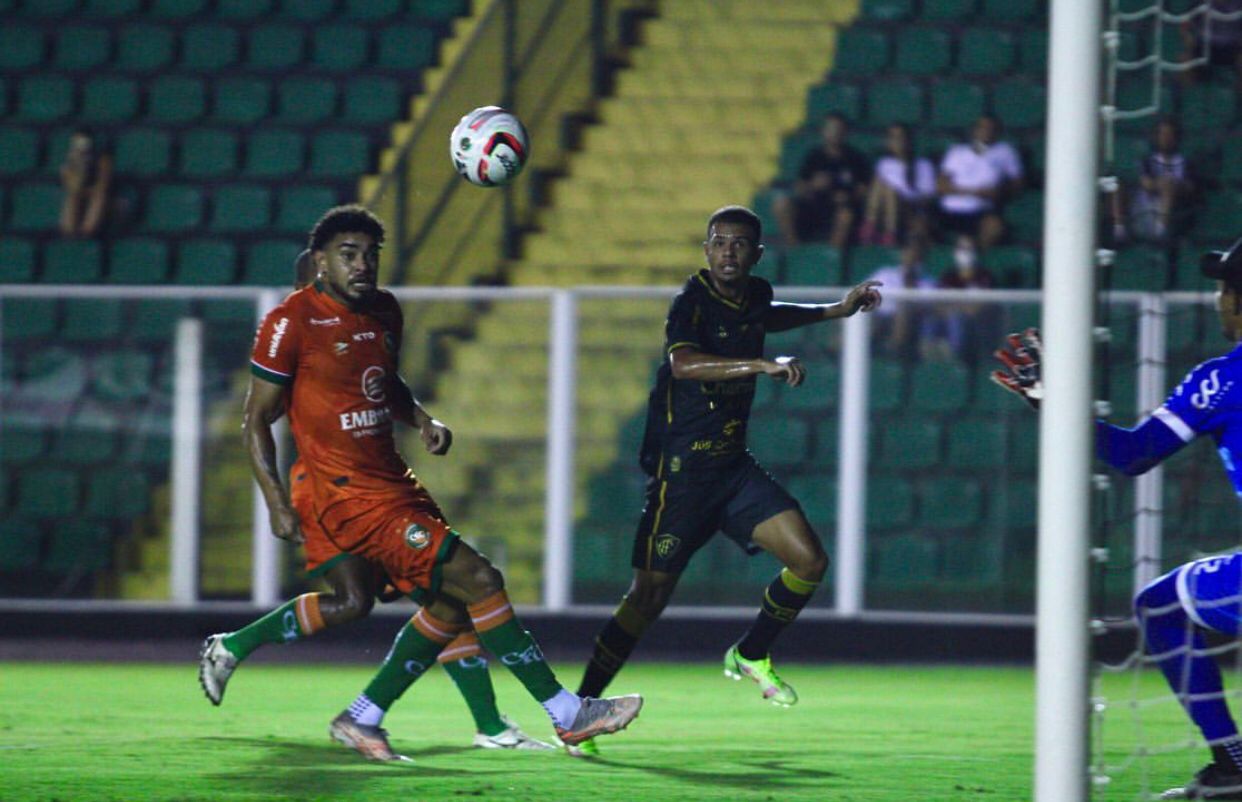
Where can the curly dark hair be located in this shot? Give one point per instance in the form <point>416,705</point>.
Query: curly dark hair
<point>339,219</point>
<point>736,214</point>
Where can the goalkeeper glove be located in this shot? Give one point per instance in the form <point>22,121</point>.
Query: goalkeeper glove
<point>1021,358</point>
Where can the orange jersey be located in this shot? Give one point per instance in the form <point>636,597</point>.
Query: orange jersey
<point>338,366</point>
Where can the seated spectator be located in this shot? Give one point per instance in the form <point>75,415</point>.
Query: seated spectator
<point>830,188</point>
<point>899,323</point>
<point>976,178</point>
<point>965,330</point>
<point>1160,205</point>
<point>86,177</point>
<point>1218,40</point>
<point>902,189</point>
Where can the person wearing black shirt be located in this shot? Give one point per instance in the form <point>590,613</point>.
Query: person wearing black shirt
<point>702,478</point>
<point>830,189</point>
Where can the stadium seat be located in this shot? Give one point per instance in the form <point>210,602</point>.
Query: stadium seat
<point>47,493</point>
<point>301,206</point>
<point>177,9</point>
<point>89,438</point>
<point>890,502</point>
<point>909,443</point>
<point>243,9</point>
<point>985,52</point>
<point>817,495</point>
<point>971,558</point>
<point>21,47</point>
<point>887,380</point>
<point>1013,265</point>
<point>339,154</point>
<point>895,100</point>
<point>269,263</point>
<point>35,207</point>
<point>241,100</point>
<point>304,100</point>
<point>1023,443</point>
<point>820,391</point>
<point>866,259</point>
<point>407,48</point>
<point>108,9</point>
<point>956,104</point>
<point>90,320</point>
<point>887,10</point>
<point>117,492</point>
<point>1208,107</point>
<point>206,262</point>
<point>81,48</point>
<point>274,153</point>
<point>977,444</point>
<point>904,560</point>
<point>109,99</point>
<point>241,207</point>
<point>21,445</point>
<point>122,375</point>
<point>1217,219</point>
<point>1010,10</point>
<point>923,51</point>
<point>50,9</point>
<point>372,100</point>
<point>20,543</point>
<point>339,48</point>
<point>441,10</point>
<point>306,10</point>
<point>138,260</point>
<point>79,546</point>
<point>173,208</point>
<point>794,148</point>
<point>29,319</point>
<point>1024,216</point>
<point>861,52</point>
<point>19,150</point>
<point>813,266</point>
<point>208,153</point>
<point>173,99</point>
<point>779,440</point>
<point>156,321</point>
<point>142,47</point>
<point>72,262</point>
<point>17,263</point>
<point>1033,49</point>
<point>950,502</point>
<point>1017,503</point>
<point>372,10</point>
<point>948,10</point>
<point>275,47</point>
<point>842,98</point>
<point>144,152</point>
<point>1138,267</point>
<point>209,47</point>
<point>1019,103</point>
<point>939,386</point>
<point>44,99</point>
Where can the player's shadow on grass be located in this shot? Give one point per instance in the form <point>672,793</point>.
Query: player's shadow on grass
<point>754,770</point>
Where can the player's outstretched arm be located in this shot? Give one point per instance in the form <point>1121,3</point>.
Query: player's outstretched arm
<point>436,437</point>
<point>690,363</point>
<point>863,297</point>
<point>1021,374</point>
<point>265,403</point>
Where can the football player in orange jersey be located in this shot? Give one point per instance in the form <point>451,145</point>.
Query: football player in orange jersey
<point>327,356</point>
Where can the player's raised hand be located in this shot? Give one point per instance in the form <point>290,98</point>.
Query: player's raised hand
<point>786,368</point>
<point>864,297</point>
<point>437,438</point>
<point>1021,356</point>
<point>284,522</point>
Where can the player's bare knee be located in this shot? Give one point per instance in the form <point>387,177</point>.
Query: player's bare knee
<point>356,605</point>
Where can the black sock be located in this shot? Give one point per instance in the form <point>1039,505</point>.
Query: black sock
<point>1228,756</point>
<point>612,648</point>
<point>782,601</point>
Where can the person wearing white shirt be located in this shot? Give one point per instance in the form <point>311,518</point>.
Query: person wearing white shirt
<point>976,178</point>
<point>900,194</point>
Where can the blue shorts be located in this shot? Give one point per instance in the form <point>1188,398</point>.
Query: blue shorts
<point>1210,591</point>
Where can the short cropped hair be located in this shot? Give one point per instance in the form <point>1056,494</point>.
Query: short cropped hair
<point>736,214</point>
<point>340,219</point>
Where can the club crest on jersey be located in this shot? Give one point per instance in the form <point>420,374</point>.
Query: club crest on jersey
<point>373,384</point>
<point>666,544</point>
<point>339,348</point>
<point>416,537</point>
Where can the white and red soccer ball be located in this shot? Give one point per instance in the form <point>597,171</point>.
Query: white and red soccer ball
<point>489,146</point>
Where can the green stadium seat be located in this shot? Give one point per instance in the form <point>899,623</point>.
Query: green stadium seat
<point>144,152</point>
<point>794,148</point>
<point>372,10</point>
<point>269,263</point>
<point>17,261</point>
<point>81,48</point>
<point>923,51</point>
<point>1017,503</point>
<point>156,321</point>
<point>841,98</point>
<point>887,10</point>
<point>301,206</point>
<point>827,449</point>
<point>440,10</point>
<point>1140,268</point>
<point>817,495</point>
<point>72,262</point>
<point>208,153</point>
<point>205,263</point>
<point>866,259</point>
<point>20,542</point>
<point>950,502</point>
<point>890,502</point>
<point>117,493</point>
<point>107,9</point>
<point>813,266</point>
<point>779,439</point>
<point>174,99</point>
<point>905,560</point>
<point>1187,274</point>
<point>1208,107</point>
<point>820,391</point>
<point>616,494</point>
<point>47,493</point>
<point>1231,160</point>
<point>977,444</point>
<point>36,207</point>
<point>985,52</point>
<point>275,153</point>
<point>372,100</point>
<point>241,207</point>
<point>275,47</point>
<point>949,10</point>
<point>89,438</point>
<point>243,9</point>
<point>79,546</point>
<point>109,99</point>
<point>123,375</point>
<point>21,47</point>
<point>50,8</point>
<point>1033,51</point>
<point>306,10</point>
<point>339,154</point>
<point>138,260</point>
<point>306,100</point>
<point>209,47</point>
<point>910,443</point>
<point>1218,217</point>
<point>241,100</point>
<point>172,208</point>
<point>339,48</point>
<point>976,559</point>
<point>862,52</point>
<point>143,47</point>
<point>1011,10</point>
<point>20,445</point>
<point>956,104</point>
<point>90,320</point>
<point>28,319</point>
<point>1019,103</point>
<point>1024,216</point>
<point>1023,446</point>
<point>54,377</point>
<point>44,99</point>
<point>895,100</point>
<point>887,381</point>
<point>405,47</point>
<point>1013,265</point>
<point>55,146</point>
<point>939,386</point>
<point>19,150</point>
<point>177,9</point>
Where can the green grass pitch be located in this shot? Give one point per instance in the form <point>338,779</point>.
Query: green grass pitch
<point>860,733</point>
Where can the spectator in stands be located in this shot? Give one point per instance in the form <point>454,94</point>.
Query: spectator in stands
<point>965,329</point>
<point>1219,40</point>
<point>86,177</point>
<point>976,179</point>
<point>1160,206</point>
<point>829,191</point>
<point>902,189</point>
<point>899,325</point>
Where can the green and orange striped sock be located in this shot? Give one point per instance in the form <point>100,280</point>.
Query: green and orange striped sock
<point>295,619</point>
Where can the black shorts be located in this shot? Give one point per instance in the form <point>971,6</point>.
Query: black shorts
<point>680,517</point>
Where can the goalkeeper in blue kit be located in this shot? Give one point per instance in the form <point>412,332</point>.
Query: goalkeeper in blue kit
<point>1175,611</point>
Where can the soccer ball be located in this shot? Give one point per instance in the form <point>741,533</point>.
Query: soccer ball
<point>489,146</point>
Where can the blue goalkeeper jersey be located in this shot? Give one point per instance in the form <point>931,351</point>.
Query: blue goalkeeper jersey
<point>1208,401</point>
